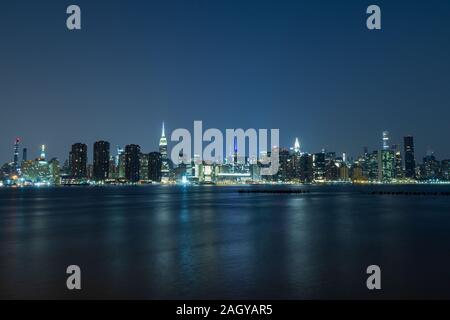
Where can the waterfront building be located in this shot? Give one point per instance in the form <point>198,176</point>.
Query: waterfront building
<point>431,168</point>
<point>78,161</point>
<point>373,166</point>
<point>306,168</point>
<point>357,174</point>
<point>154,166</point>
<point>398,168</point>
<point>386,164</point>
<point>121,167</point>
<point>90,172</point>
<point>113,169</point>
<point>319,166</point>
<point>144,165</point>
<point>55,171</point>
<point>132,165</point>
<point>38,171</point>
<point>410,162</point>
<point>445,170</point>
<point>284,164</point>
<point>101,161</point>
<point>344,172</point>
<point>331,170</point>
<point>206,173</point>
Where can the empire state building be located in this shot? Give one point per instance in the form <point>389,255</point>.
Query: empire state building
<point>164,159</point>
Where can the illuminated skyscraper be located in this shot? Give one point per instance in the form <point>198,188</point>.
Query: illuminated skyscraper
<point>55,171</point>
<point>319,166</point>
<point>132,164</point>
<point>120,163</point>
<point>101,160</point>
<point>16,154</point>
<point>398,169</point>
<point>42,155</point>
<point>117,158</point>
<point>78,161</point>
<point>294,162</point>
<point>431,167</point>
<point>372,165</point>
<point>143,162</point>
<point>385,140</point>
<point>410,162</point>
<point>164,159</point>
<point>386,165</point>
<point>154,166</point>
<point>284,159</point>
<point>306,168</point>
<point>296,148</point>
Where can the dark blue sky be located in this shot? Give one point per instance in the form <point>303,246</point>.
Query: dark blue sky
<point>310,68</point>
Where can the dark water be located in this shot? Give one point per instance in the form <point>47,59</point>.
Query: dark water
<point>212,242</point>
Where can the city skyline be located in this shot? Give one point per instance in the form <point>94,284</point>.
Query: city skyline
<point>311,69</point>
<point>24,148</point>
<point>391,163</point>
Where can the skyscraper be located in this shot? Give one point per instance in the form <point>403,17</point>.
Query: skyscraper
<point>42,155</point>
<point>164,159</point>
<point>306,168</point>
<point>143,171</point>
<point>132,165</point>
<point>319,166</point>
<point>16,154</point>
<point>78,161</point>
<point>386,165</point>
<point>385,140</point>
<point>154,166</point>
<point>101,160</point>
<point>372,166</point>
<point>410,162</point>
<point>24,154</point>
<point>398,169</point>
<point>431,167</point>
<point>294,163</point>
<point>284,164</point>
<point>296,146</point>
<point>55,171</point>
<point>445,169</point>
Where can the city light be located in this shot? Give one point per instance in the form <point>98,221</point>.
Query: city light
<point>131,165</point>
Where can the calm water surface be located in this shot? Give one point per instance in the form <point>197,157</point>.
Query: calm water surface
<point>212,242</point>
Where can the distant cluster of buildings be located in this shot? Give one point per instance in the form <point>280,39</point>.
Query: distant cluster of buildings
<point>129,165</point>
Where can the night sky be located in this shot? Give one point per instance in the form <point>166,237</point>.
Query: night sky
<point>310,68</point>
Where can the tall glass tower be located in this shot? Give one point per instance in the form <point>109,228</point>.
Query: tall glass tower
<point>42,156</point>
<point>164,159</point>
<point>385,140</point>
<point>410,162</point>
<point>16,154</point>
<point>101,160</point>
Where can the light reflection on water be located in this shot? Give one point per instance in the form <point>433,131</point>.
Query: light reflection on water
<point>208,242</point>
